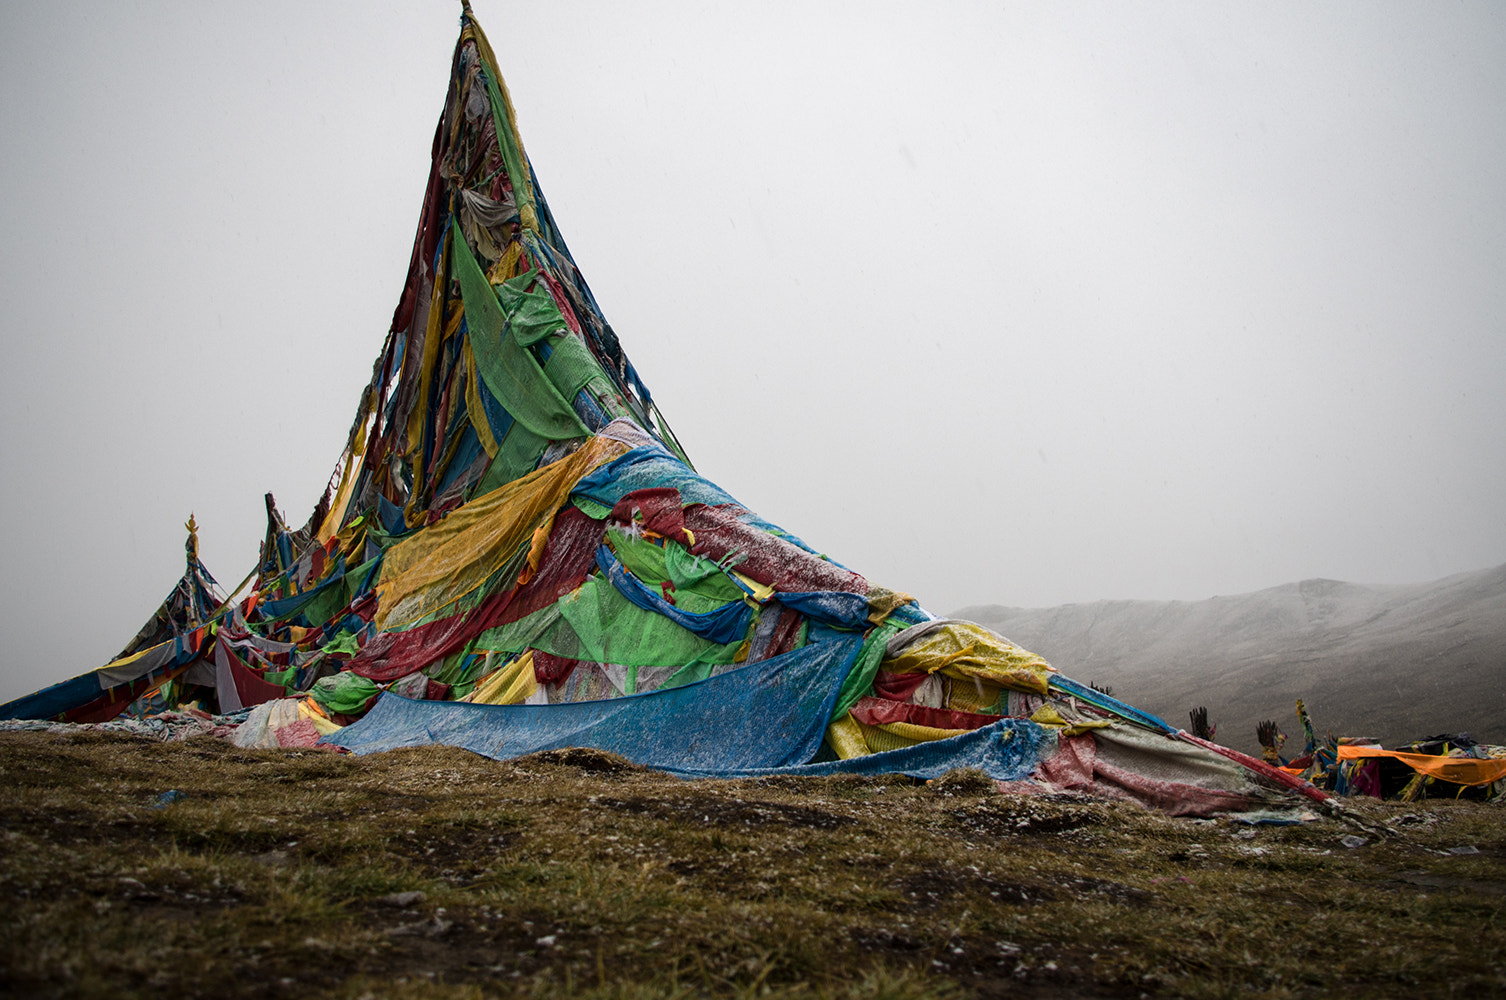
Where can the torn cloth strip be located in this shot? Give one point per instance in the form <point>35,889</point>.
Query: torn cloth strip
<point>567,560</point>
<point>768,714</point>
<point>237,685</point>
<point>1457,770</point>
<point>726,624</point>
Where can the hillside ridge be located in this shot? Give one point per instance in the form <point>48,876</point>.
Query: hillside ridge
<point>1391,661</point>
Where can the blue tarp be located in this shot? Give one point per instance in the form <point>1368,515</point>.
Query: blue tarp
<point>762,719</point>
<point>54,700</point>
<point>1007,750</point>
<point>653,465</point>
<point>834,607</point>
<point>1067,685</point>
<point>769,714</point>
<point>644,468</point>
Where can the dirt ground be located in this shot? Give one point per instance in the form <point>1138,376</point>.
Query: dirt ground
<point>137,868</point>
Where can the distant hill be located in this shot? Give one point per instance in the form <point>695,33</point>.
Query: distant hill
<point>1392,662</point>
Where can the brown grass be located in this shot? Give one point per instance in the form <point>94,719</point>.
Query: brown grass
<point>280,873</point>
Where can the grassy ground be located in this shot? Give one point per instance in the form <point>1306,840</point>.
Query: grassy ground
<point>433,873</point>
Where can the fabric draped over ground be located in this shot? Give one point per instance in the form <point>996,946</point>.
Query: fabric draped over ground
<point>514,553</point>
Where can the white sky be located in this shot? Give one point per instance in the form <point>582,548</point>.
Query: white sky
<point>1031,305</point>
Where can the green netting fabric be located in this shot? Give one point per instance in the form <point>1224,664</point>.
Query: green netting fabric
<point>530,309</point>
<point>344,692</point>
<point>508,368</point>
<point>860,681</point>
<point>698,584</point>
<point>598,624</point>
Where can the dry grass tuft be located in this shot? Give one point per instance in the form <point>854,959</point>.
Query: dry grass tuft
<point>433,873</point>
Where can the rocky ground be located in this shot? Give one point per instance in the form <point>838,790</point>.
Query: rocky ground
<point>133,867</point>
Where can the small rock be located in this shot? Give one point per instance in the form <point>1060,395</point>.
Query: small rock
<point>1466,849</point>
<point>1350,840</point>
<point>424,928</point>
<point>402,899</point>
<point>546,941</point>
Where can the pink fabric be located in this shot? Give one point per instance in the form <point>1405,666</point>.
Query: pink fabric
<point>302,733</point>
<point>1365,779</point>
<point>1072,764</point>
<point>1076,765</point>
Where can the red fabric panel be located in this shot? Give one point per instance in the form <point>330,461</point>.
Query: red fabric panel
<point>390,655</point>
<point>568,558</point>
<point>663,514</point>
<point>786,632</point>
<point>343,719</point>
<point>766,558</point>
<point>302,733</point>
<point>878,712</point>
<point>551,669</point>
<point>248,683</point>
<point>435,691</point>
<point>111,703</point>
<point>897,687</point>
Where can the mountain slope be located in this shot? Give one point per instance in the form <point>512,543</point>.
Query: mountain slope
<point>1392,662</point>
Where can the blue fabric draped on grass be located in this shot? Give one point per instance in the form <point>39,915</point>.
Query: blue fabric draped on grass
<point>1007,750</point>
<point>764,718</point>
<point>767,714</point>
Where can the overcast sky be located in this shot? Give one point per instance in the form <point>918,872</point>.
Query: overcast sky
<point>1027,305</point>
